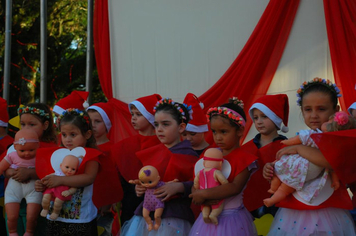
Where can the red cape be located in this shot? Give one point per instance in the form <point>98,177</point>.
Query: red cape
<point>107,187</point>
<point>124,154</point>
<point>170,165</point>
<point>257,186</point>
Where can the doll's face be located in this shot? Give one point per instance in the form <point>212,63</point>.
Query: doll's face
<point>149,181</point>
<point>26,151</point>
<point>69,165</point>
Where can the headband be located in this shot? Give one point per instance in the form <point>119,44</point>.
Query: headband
<point>76,112</point>
<point>212,159</point>
<point>23,141</point>
<point>177,106</point>
<point>33,110</point>
<point>227,113</point>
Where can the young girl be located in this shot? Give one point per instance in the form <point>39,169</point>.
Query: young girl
<point>227,123</point>
<point>78,216</point>
<point>174,160</point>
<point>318,101</point>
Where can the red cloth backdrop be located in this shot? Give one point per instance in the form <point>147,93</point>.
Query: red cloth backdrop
<point>248,77</point>
<point>340,19</point>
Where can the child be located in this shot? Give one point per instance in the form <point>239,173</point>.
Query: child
<point>105,193</point>
<point>60,194</point>
<point>211,176</point>
<point>318,101</point>
<point>78,216</point>
<point>352,109</point>
<point>197,126</point>
<point>268,114</point>
<point>142,119</point>
<point>227,123</point>
<point>174,160</point>
<point>26,145</point>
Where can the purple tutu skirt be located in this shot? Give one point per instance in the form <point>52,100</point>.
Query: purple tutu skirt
<point>232,222</point>
<point>326,221</point>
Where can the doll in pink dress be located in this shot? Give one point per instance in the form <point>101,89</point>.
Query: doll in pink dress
<point>293,172</point>
<point>69,166</point>
<point>209,177</point>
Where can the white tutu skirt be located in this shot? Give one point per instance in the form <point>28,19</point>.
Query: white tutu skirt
<point>326,221</point>
<point>137,226</point>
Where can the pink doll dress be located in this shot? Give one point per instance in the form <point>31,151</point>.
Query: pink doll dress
<point>56,192</point>
<point>151,202</point>
<point>297,172</point>
<point>207,180</point>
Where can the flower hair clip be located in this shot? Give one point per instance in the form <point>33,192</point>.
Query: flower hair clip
<point>23,141</point>
<point>76,112</point>
<point>227,113</point>
<point>32,110</point>
<point>341,118</point>
<point>327,83</point>
<point>237,101</point>
<point>169,101</point>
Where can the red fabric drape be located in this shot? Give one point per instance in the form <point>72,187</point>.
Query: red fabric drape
<point>340,16</point>
<point>102,46</point>
<point>251,73</point>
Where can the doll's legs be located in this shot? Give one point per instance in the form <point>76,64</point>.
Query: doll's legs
<point>12,210</point>
<point>206,212</point>
<point>275,183</point>
<point>158,214</point>
<point>282,192</point>
<point>45,204</point>
<point>215,213</point>
<point>146,216</point>
<point>57,206</point>
<point>31,218</point>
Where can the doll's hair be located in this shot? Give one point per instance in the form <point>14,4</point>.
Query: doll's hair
<point>43,113</point>
<point>79,119</point>
<point>179,111</point>
<point>341,121</point>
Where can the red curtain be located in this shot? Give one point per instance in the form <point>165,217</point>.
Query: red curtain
<point>340,19</point>
<point>102,45</point>
<point>251,73</point>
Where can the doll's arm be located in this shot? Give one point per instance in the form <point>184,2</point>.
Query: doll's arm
<point>4,165</point>
<point>196,182</point>
<point>292,141</point>
<point>68,192</point>
<point>220,177</point>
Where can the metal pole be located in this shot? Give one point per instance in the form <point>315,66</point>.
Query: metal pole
<point>89,65</point>
<point>43,90</point>
<point>7,59</point>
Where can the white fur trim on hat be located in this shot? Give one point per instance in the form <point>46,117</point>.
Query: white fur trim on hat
<point>269,113</point>
<point>143,111</point>
<point>57,109</point>
<point>103,114</point>
<point>3,124</point>
<point>197,129</point>
<point>353,106</point>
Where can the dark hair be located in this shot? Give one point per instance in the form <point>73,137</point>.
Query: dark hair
<point>233,105</point>
<point>173,108</point>
<point>320,87</point>
<point>82,121</point>
<point>49,134</point>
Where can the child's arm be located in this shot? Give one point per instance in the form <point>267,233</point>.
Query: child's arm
<point>268,170</point>
<point>311,154</point>
<point>222,191</point>
<point>168,190</point>
<point>292,141</point>
<point>77,181</point>
<point>23,175</point>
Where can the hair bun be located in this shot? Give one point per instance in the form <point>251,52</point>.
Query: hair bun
<point>236,101</point>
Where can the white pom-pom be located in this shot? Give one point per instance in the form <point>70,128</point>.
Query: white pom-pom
<point>285,129</point>
<point>201,105</point>
<point>85,104</point>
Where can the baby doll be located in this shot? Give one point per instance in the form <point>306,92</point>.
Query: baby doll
<point>62,193</point>
<point>210,177</point>
<point>26,144</point>
<point>306,179</point>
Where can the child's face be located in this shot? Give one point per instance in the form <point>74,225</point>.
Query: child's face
<point>26,151</point>
<point>72,137</point>
<point>28,121</point>
<point>69,165</point>
<point>263,124</point>
<point>138,121</point>
<point>353,112</point>
<point>149,181</point>
<point>225,136</point>
<point>316,109</point>
<point>195,138</point>
<point>168,130</point>
<point>99,128</point>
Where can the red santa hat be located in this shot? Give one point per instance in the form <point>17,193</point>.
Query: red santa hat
<point>352,107</point>
<point>275,107</point>
<point>77,99</point>
<point>4,115</point>
<point>106,111</point>
<point>198,122</point>
<point>145,105</point>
